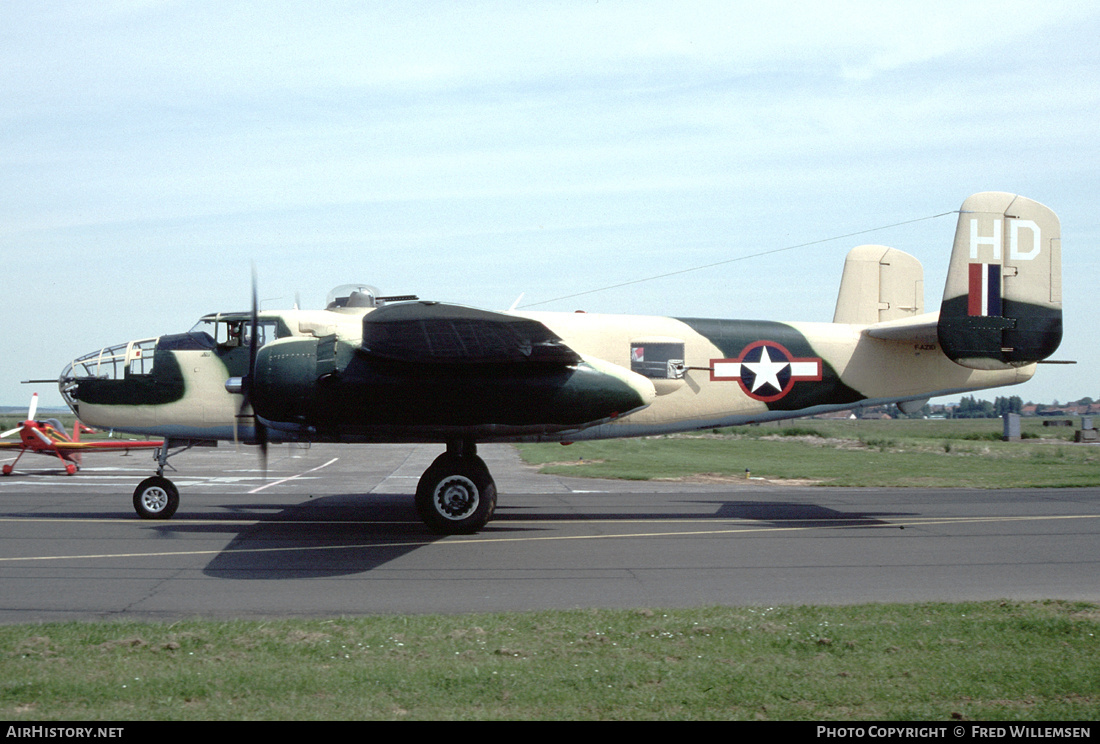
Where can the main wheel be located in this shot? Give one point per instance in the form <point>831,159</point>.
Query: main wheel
<point>456,495</point>
<point>156,498</point>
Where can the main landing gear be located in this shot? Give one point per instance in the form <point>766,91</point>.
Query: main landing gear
<point>455,496</point>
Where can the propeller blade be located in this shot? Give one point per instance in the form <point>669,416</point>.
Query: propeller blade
<point>254,327</point>
<point>261,437</point>
<point>253,350</point>
<point>30,417</point>
<point>248,383</point>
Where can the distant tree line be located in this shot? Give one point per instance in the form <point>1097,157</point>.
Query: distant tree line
<point>971,407</point>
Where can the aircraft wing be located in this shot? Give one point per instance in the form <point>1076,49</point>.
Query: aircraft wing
<point>53,445</point>
<point>115,446</point>
<point>86,446</point>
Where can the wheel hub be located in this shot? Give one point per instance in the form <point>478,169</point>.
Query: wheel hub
<point>456,497</point>
<point>154,499</point>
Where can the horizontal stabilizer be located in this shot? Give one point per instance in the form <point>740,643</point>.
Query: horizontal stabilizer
<point>919,330</point>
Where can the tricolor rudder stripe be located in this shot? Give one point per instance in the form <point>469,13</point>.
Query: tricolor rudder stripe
<point>985,290</point>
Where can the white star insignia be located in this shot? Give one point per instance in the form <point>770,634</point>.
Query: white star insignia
<point>766,371</point>
<point>772,375</point>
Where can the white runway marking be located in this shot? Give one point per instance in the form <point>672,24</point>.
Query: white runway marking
<point>293,477</point>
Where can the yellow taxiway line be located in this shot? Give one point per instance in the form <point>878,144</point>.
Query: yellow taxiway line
<point>484,539</point>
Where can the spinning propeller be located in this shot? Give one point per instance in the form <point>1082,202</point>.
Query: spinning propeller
<point>30,417</point>
<point>245,386</point>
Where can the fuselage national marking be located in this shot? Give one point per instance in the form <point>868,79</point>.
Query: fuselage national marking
<point>766,370</point>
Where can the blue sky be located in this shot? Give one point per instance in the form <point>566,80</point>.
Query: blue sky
<point>150,152</point>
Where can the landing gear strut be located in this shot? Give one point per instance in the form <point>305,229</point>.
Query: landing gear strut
<point>456,495</point>
<point>157,497</point>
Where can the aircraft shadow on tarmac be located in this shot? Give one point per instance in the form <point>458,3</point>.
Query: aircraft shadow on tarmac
<point>800,515</point>
<point>326,536</point>
<point>776,514</point>
<point>353,533</point>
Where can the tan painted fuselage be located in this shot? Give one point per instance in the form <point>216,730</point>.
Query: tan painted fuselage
<point>879,371</point>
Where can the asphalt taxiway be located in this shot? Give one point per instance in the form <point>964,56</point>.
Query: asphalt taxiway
<point>331,530</point>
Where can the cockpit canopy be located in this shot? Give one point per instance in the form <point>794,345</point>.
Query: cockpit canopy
<point>234,329</point>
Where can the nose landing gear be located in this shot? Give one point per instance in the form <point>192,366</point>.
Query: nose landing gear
<point>156,498</point>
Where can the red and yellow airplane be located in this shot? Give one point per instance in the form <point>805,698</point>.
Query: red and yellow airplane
<point>49,438</point>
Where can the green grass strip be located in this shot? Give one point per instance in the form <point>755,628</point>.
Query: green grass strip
<point>948,454</point>
<point>972,661</point>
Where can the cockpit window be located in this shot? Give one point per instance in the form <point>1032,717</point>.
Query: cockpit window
<point>266,331</point>
<point>228,333</point>
<point>140,356</point>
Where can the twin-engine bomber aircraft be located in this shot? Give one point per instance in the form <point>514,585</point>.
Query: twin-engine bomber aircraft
<point>396,369</point>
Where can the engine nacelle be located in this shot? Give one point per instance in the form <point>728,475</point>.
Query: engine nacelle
<point>286,385</point>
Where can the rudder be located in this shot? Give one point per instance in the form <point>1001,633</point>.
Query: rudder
<point>1002,303</point>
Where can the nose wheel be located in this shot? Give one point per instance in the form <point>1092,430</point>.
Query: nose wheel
<point>456,495</point>
<point>156,498</point>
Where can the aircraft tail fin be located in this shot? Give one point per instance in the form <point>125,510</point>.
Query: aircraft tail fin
<point>879,284</point>
<point>1002,303</point>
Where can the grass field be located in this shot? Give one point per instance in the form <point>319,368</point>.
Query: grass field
<point>932,453</point>
<point>935,662</point>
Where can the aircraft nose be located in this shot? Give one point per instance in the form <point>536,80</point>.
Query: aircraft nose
<point>111,363</point>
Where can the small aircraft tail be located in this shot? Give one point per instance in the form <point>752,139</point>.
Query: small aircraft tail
<point>879,284</point>
<point>1002,304</point>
